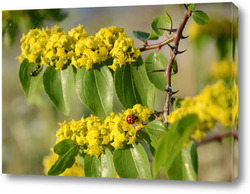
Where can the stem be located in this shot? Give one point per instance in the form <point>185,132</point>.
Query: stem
<point>217,137</point>
<point>174,52</point>
<point>158,45</point>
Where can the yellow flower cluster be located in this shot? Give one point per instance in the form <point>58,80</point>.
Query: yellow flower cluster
<point>94,133</point>
<point>75,170</point>
<point>53,47</point>
<point>214,103</point>
<point>224,69</point>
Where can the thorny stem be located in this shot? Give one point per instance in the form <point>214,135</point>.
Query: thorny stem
<point>217,137</point>
<point>174,52</point>
<point>158,45</point>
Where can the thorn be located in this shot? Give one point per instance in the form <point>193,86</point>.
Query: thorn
<point>172,47</point>
<point>184,37</point>
<point>159,49</point>
<point>166,34</point>
<point>165,29</point>
<point>145,43</point>
<point>169,90</point>
<point>158,70</point>
<point>175,92</point>
<point>179,52</point>
<point>186,7</point>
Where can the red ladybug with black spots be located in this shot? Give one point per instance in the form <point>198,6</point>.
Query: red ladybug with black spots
<point>131,119</point>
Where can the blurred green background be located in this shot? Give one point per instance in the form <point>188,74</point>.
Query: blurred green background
<point>29,127</point>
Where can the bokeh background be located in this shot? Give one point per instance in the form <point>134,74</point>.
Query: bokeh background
<point>29,127</point>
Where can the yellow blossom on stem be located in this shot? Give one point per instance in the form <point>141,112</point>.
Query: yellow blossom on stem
<point>54,47</point>
<point>214,103</point>
<point>94,133</point>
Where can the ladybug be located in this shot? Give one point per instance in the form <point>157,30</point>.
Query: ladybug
<point>131,119</point>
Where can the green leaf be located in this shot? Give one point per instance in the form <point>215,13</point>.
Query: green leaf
<point>185,165</point>
<point>156,128</point>
<point>161,22</point>
<point>94,88</point>
<point>151,140</point>
<point>153,36</point>
<point>156,61</point>
<point>141,35</point>
<point>67,151</point>
<point>151,97</point>
<point>168,21</point>
<point>191,6</point>
<point>132,84</point>
<point>58,84</point>
<point>132,162</point>
<point>29,83</point>
<point>172,141</point>
<point>200,17</point>
<point>175,66</point>
<point>99,167</point>
<point>63,146</point>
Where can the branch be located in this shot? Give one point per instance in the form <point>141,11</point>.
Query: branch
<point>174,52</point>
<point>158,45</point>
<point>217,137</point>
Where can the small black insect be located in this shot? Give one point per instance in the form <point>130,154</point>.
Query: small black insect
<point>172,100</point>
<point>35,72</point>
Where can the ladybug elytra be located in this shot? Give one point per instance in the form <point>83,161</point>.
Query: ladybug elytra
<point>131,119</point>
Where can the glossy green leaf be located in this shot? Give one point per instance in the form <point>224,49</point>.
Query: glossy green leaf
<point>153,36</point>
<point>168,21</point>
<point>95,90</point>
<point>132,162</point>
<point>164,22</point>
<point>185,165</point>
<point>156,61</point>
<point>141,35</point>
<point>191,6</point>
<point>172,141</point>
<point>58,85</point>
<point>156,128</point>
<point>67,151</point>
<point>151,140</point>
<point>29,83</point>
<point>99,167</point>
<point>132,84</point>
<point>151,97</point>
<point>200,17</point>
<point>63,146</point>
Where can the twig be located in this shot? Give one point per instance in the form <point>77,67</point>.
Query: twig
<point>158,45</point>
<point>217,137</point>
<point>174,52</point>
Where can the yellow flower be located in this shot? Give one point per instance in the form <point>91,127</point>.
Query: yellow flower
<point>224,69</point>
<point>94,133</point>
<point>213,104</point>
<point>53,47</point>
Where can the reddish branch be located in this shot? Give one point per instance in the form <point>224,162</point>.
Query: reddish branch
<point>173,54</point>
<point>158,45</point>
<point>217,137</point>
<point>175,37</point>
